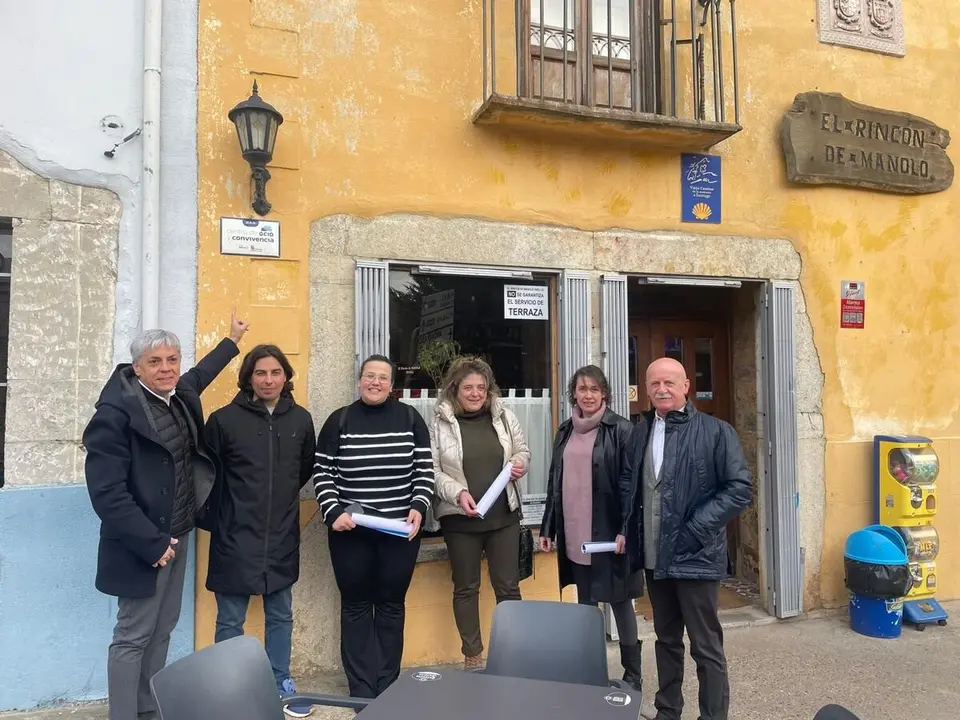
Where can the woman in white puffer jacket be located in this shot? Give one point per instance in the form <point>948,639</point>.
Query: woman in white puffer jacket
<point>473,436</point>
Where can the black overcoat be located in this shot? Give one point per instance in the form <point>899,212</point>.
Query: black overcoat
<point>613,577</point>
<point>131,477</point>
<point>267,459</point>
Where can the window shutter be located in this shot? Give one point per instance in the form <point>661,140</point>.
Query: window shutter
<point>613,340</point>
<point>574,332</point>
<point>372,296</point>
<point>785,576</point>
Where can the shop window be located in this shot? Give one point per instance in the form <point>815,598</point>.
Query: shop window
<point>6,259</point>
<point>507,320</point>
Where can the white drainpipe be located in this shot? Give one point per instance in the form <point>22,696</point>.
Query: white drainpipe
<point>150,179</point>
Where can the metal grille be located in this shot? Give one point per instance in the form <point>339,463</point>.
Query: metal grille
<point>785,576</point>
<point>613,340</point>
<point>673,58</point>
<point>372,296</point>
<point>574,332</point>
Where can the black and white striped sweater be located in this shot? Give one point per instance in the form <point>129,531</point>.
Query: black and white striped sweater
<point>379,459</point>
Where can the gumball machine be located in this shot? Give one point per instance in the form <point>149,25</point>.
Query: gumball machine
<point>906,470</point>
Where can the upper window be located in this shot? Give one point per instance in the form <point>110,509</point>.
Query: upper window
<point>590,45</point>
<point>644,69</point>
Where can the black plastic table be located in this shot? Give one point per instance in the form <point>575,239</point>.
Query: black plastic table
<point>447,694</point>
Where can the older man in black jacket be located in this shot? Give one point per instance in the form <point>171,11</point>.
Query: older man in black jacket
<point>266,443</point>
<point>692,481</point>
<point>150,475</point>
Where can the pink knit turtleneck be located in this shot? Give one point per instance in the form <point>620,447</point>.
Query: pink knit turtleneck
<point>578,483</point>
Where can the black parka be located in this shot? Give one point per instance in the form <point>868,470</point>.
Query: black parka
<point>612,577</point>
<point>704,484</point>
<point>266,459</point>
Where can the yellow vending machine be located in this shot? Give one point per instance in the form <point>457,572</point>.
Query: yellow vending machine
<point>906,469</point>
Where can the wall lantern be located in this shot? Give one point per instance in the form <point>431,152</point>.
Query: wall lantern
<point>257,124</point>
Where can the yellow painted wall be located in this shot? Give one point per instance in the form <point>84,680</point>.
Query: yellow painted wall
<point>377,99</point>
<point>430,636</point>
<point>850,506</point>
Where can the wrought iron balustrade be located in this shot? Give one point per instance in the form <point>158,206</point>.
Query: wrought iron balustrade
<point>672,59</point>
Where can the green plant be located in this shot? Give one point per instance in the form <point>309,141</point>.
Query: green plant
<point>435,357</point>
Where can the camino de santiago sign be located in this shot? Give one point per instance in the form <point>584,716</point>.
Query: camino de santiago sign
<point>830,140</point>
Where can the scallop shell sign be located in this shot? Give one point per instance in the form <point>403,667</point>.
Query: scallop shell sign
<point>702,211</point>
<point>700,188</point>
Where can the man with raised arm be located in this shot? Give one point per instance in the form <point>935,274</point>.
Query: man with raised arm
<point>150,475</point>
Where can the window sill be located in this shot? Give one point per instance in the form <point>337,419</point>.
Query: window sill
<point>657,132</point>
<point>435,549</point>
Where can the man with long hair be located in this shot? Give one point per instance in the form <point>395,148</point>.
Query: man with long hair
<point>266,445</point>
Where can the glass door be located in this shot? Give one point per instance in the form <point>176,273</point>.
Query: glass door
<point>703,349</point>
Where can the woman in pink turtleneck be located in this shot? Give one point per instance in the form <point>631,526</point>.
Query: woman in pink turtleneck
<point>590,493</point>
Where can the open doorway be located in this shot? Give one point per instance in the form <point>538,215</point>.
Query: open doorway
<point>713,329</point>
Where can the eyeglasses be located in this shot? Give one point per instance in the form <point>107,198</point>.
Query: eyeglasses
<point>369,378</point>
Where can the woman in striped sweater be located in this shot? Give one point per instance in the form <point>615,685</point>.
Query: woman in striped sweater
<point>375,454</point>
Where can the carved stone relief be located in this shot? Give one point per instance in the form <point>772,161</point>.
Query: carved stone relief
<point>875,25</point>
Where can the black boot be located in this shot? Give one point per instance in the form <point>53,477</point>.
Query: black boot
<point>632,670</point>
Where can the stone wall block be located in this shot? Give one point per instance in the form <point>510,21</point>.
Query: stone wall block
<point>65,201</point>
<point>40,463</point>
<point>811,484</point>
<point>98,248</point>
<point>332,348</point>
<point>809,426</point>
<point>328,237</point>
<point>44,310</point>
<point>64,277</point>
<point>678,253</point>
<point>22,193</point>
<point>99,206</point>
<point>42,410</point>
<point>316,624</point>
<point>809,382</point>
<point>96,303</point>
<point>88,392</point>
<point>476,241</point>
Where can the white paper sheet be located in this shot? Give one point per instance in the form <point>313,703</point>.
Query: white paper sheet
<point>589,548</point>
<point>491,495</point>
<point>399,528</point>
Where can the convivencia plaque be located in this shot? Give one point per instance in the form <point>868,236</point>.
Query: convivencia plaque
<point>830,140</point>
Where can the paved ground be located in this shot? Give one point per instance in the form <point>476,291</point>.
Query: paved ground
<point>781,671</point>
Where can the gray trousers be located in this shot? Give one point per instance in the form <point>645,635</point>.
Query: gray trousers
<point>141,639</point>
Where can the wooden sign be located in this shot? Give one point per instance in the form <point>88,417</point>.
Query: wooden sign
<point>830,140</point>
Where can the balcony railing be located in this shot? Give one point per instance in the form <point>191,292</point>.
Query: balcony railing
<point>662,72</point>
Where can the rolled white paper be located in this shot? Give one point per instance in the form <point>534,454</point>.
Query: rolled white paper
<point>491,495</point>
<point>392,527</point>
<point>589,548</point>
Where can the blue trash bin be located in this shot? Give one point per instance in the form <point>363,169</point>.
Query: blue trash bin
<point>878,578</point>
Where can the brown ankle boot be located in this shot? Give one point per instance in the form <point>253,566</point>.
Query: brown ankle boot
<point>472,662</point>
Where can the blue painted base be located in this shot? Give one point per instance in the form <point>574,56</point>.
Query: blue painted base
<point>54,625</point>
<point>923,612</point>
<point>876,618</point>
